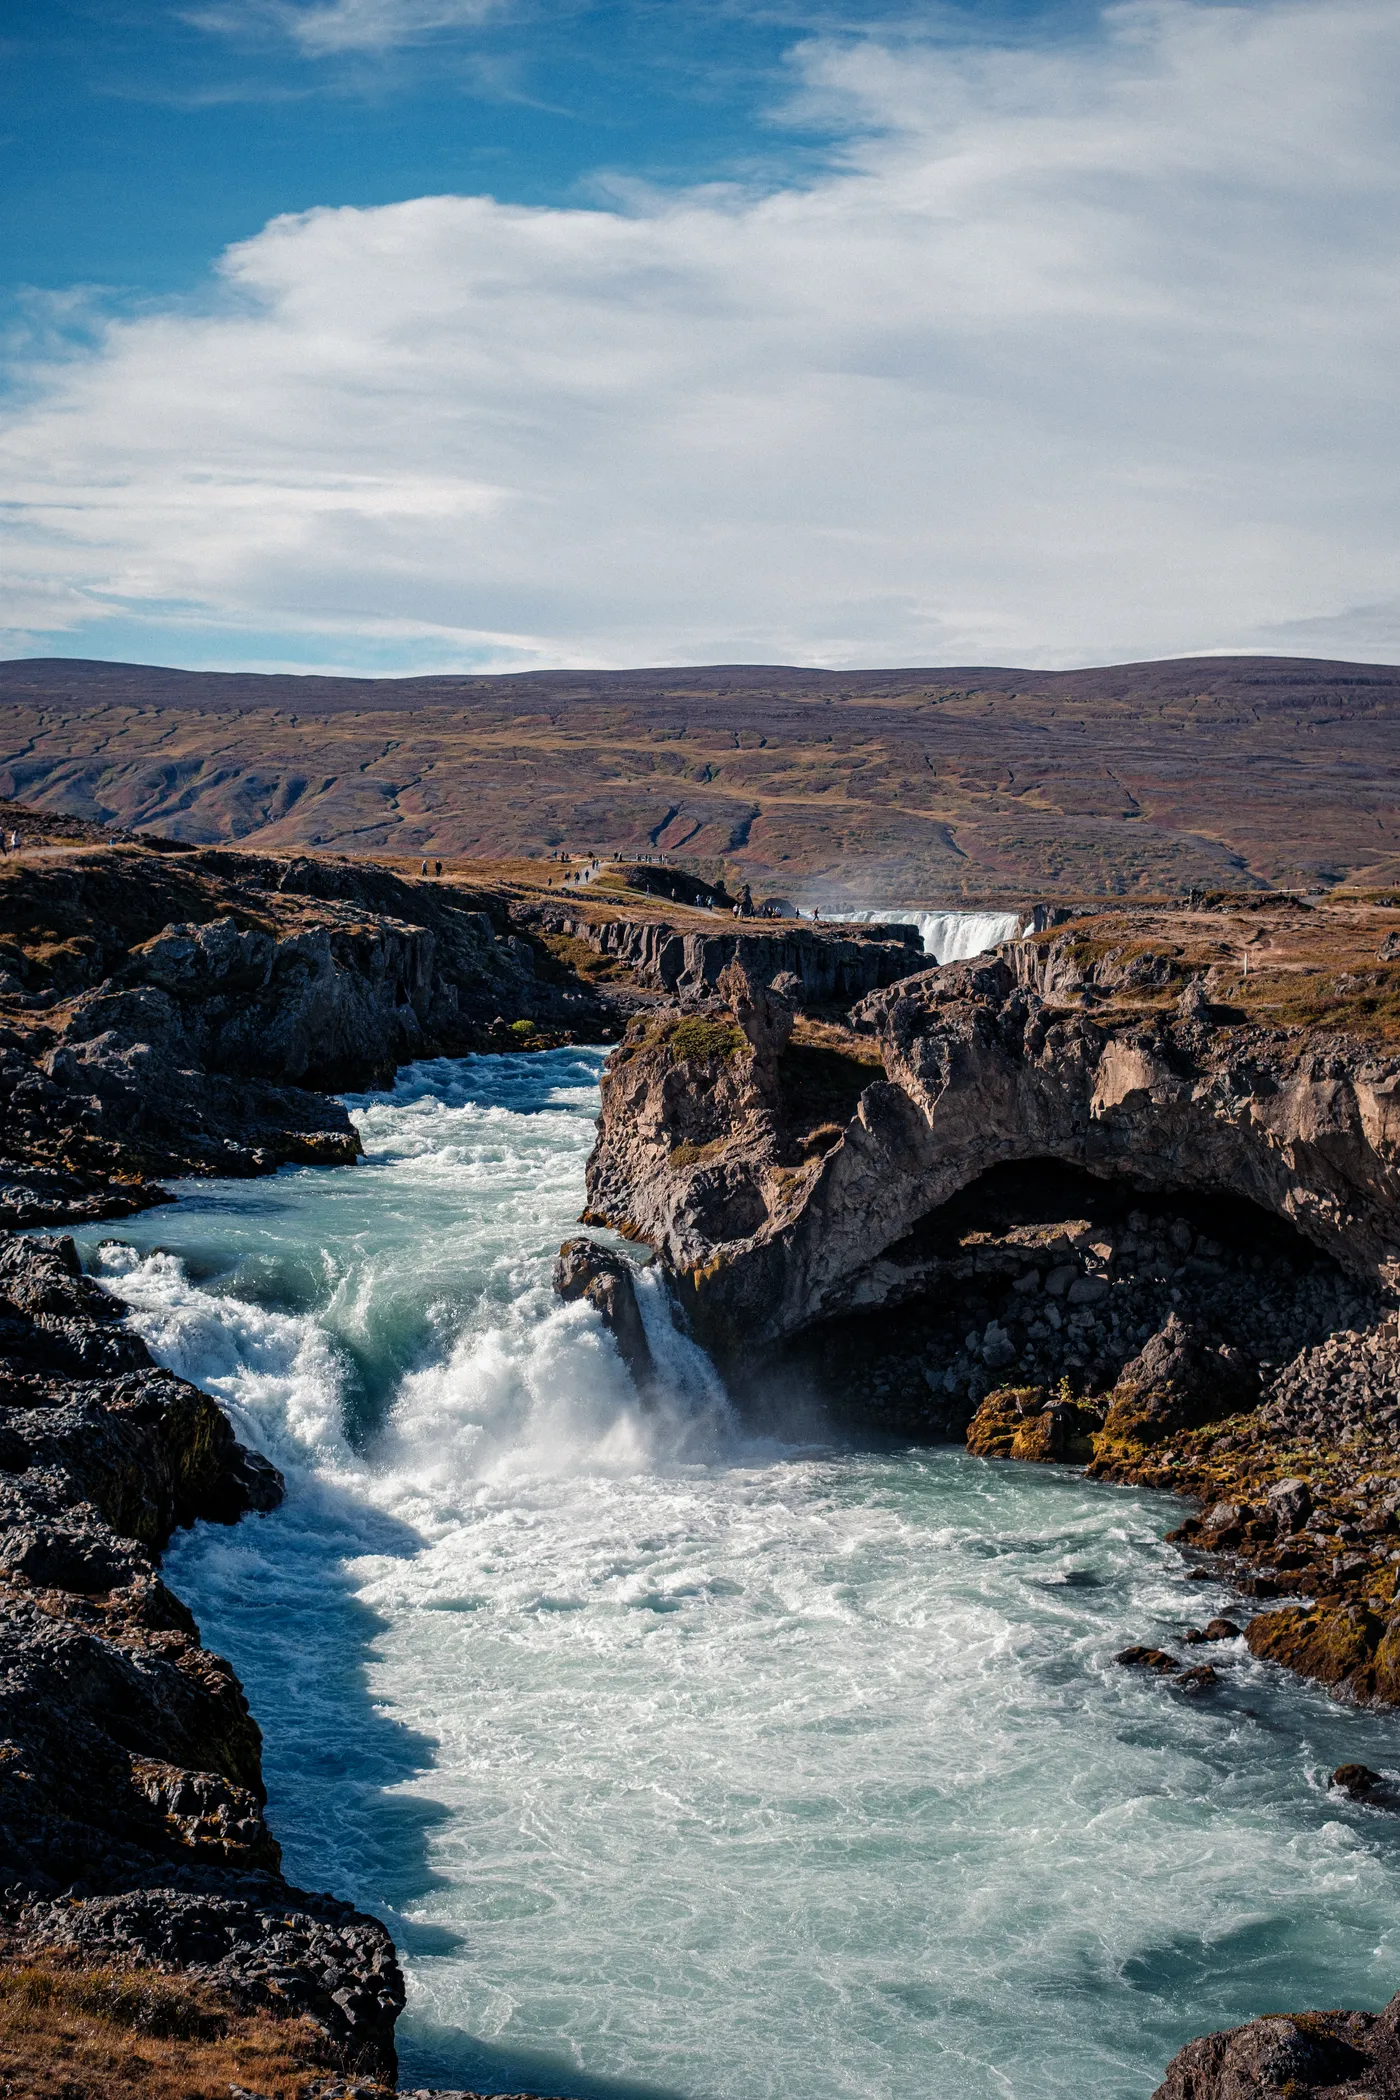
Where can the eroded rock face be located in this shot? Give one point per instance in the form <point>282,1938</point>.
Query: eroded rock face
<point>817,966</point>
<point>131,1794</point>
<point>977,1071</point>
<point>194,1019</point>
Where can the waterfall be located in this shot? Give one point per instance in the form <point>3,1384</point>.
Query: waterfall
<point>950,936</point>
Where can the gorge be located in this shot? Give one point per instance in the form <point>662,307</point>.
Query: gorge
<point>766,1730</point>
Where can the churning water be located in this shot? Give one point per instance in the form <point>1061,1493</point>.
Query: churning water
<point>681,1762</point>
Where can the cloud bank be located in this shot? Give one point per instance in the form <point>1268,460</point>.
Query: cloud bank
<point>1078,354</point>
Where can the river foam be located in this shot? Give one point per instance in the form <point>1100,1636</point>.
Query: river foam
<point>682,1762</point>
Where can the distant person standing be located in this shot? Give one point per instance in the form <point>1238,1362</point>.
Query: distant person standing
<point>424,869</point>
<point>437,867</point>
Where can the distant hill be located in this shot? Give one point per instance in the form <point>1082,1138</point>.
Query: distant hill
<point>846,786</point>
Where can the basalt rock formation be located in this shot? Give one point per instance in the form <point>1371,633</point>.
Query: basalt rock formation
<point>1293,2056</point>
<point>811,966</point>
<point>1082,1216</point>
<point>604,1279</point>
<point>190,1014</point>
<point>131,1795</point>
<point>771,1223</point>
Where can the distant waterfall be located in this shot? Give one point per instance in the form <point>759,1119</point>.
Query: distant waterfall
<point>952,936</point>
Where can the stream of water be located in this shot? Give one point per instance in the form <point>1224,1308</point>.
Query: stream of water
<point>682,1762</point>
<point>951,936</point>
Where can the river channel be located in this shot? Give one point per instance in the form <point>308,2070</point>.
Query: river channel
<point>685,1761</point>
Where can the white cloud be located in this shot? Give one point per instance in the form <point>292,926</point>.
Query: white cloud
<point>1079,355</point>
<point>330,28</point>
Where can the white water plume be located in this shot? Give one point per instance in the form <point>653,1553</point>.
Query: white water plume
<point>685,1763</point>
<point>950,936</point>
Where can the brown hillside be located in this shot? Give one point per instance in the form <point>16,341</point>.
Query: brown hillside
<point>840,786</point>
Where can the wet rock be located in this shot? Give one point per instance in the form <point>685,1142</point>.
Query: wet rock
<point>1201,1678</point>
<point>584,1269</point>
<point>1344,2055</point>
<point>1357,1780</point>
<point>1143,1658</point>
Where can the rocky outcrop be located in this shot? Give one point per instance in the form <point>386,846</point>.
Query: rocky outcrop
<point>813,966</point>
<point>1178,1381</point>
<point>586,1270</point>
<point>1293,2056</point>
<point>131,1795</point>
<point>168,1015</point>
<point>978,1073</point>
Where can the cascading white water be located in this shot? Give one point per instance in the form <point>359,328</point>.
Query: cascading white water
<point>950,936</point>
<point>682,1762</point>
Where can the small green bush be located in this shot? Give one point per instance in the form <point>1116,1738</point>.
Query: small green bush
<point>522,1028</point>
<point>706,1040</point>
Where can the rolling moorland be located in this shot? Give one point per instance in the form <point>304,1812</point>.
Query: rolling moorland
<point>846,787</point>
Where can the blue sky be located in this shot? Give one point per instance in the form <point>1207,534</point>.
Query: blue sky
<point>140,138</point>
<point>403,334</point>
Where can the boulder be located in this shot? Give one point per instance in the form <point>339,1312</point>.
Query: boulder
<point>1023,1422</point>
<point>1178,1381</point>
<point>584,1269</point>
<point>1291,1503</point>
<point>1298,2055</point>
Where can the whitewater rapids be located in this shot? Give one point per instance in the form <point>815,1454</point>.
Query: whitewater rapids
<point>684,1763</point>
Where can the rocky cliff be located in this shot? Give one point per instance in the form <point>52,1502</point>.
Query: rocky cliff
<point>1064,1197</point>
<point>772,1221</point>
<point>1124,1196</point>
<point>813,965</point>
<point>131,1796</point>
<point>189,1014</point>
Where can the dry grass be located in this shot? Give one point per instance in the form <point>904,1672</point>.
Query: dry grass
<point>1269,961</point>
<point>74,2033</point>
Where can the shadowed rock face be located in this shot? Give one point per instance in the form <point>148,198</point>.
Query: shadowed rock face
<point>131,1794</point>
<point>172,1015</point>
<point>1177,1382</point>
<point>840,964</point>
<point>701,1156</point>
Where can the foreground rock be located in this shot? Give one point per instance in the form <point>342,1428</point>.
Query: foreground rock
<point>1293,2056</point>
<point>131,1795</point>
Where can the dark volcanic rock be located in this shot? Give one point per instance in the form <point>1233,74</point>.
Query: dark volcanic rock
<point>131,1792</point>
<point>583,1269</point>
<point>980,1073</point>
<point>1178,1381</point>
<point>1299,2056</point>
<point>1358,1780</point>
<point>163,1017</point>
